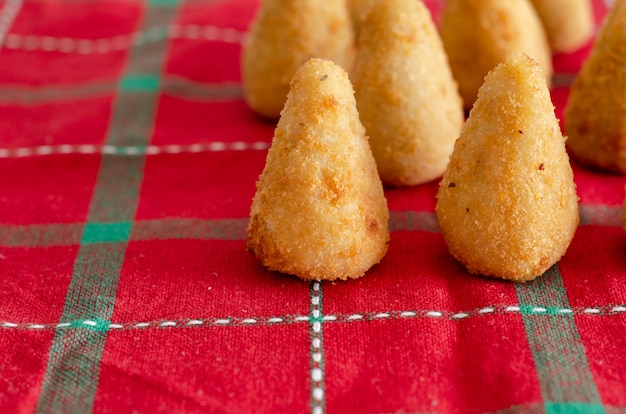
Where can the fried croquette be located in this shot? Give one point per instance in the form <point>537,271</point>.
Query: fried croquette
<point>407,98</point>
<point>507,204</point>
<point>568,23</point>
<point>594,114</point>
<point>319,211</point>
<point>283,36</point>
<point>480,34</point>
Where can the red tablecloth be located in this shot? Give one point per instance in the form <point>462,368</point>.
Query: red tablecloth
<point>128,162</point>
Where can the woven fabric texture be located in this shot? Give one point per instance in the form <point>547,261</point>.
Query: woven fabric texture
<point>128,162</point>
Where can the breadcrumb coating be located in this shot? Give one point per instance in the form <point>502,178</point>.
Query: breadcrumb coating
<point>319,211</point>
<point>480,34</point>
<point>407,98</point>
<point>568,23</point>
<point>595,120</point>
<point>283,36</point>
<point>507,205</point>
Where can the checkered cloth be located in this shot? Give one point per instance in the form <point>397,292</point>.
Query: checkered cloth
<point>128,162</point>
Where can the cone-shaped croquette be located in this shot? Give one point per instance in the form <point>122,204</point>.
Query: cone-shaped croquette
<point>568,23</point>
<point>319,211</point>
<point>595,115</point>
<point>407,98</point>
<point>507,204</point>
<point>284,35</point>
<point>480,34</point>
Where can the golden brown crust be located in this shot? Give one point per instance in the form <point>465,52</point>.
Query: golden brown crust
<point>507,204</point>
<point>568,23</point>
<point>407,98</point>
<point>595,115</point>
<point>319,211</point>
<point>480,34</point>
<point>283,36</point>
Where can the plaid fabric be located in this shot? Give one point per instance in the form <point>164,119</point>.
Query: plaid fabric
<point>128,162</point>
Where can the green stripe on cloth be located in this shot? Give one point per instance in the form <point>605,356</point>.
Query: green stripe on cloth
<point>198,91</point>
<point>50,235</point>
<point>562,368</point>
<point>563,80</point>
<point>521,409</point>
<point>565,408</point>
<point>106,232</point>
<point>413,220</point>
<point>132,130</point>
<point>163,3</point>
<point>34,95</point>
<point>119,180</point>
<point>190,229</point>
<point>140,83</point>
<point>71,380</point>
<point>71,393</point>
<point>91,294</point>
<point>107,209</point>
<point>170,85</point>
<point>600,215</point>
<point>574,408</point>
<point>41,235</point>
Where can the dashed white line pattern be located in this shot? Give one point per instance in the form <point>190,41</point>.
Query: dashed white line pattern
<point>121,42</point>
<point>275,320</point>
<point>316,323</point>
<point>83,149</point>
<point>317,352</point>
<point>249,321</point>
